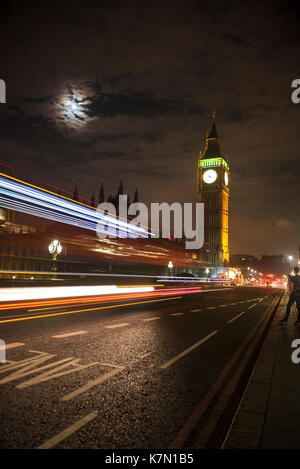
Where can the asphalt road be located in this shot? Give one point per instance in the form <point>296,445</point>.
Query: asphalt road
<point>120,377</point>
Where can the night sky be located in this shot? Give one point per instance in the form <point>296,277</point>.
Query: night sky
<point>144,78</point>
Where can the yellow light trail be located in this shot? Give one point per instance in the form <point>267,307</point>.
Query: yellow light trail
<point>84,310</point>
<point>102,299</point>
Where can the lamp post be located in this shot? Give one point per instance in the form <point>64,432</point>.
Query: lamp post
<point>170,267</point>
<point>54,248</point>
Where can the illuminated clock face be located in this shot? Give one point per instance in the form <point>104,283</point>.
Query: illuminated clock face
<point>209,176</point>
<point>226,178</point>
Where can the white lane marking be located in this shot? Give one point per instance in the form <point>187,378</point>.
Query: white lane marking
<point>195,310</point>
<point>144,356</point>
<point>12,345</point>
<point>188,350</point>
<point>68,431</point>
<point>176,314</point>
<point>211,307</point>
<point>223,306</point>
<point>232,304</point>
<point>236,317</point>
<point>151,319</point>
<point>117,325</point>
<point>69,334</point>
<point>93,383</point>
<point>109,364</point>
<point>252,306</point>
<point>31,366</point>
<point>241,301</point>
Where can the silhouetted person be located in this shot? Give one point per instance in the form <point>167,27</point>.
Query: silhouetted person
<point>294,289</point>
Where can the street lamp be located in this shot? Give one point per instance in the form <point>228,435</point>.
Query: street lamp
<point>54,248</point>
<point>170,267</point>
<point>290,258</point>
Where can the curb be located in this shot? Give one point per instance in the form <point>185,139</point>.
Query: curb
<point>247,428</point>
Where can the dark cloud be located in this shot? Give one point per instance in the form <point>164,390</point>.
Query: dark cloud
<point>236,39</point>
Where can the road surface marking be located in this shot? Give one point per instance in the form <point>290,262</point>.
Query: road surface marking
<point>232,304</point>
<point>68,431</point>
<point>211,307</point>
<point>90,309</point>
<point>12,345</point>
<point>176,314</point>
<point>117,325</point>
<point>235,317</point>
<point>223,306</point>
<point>252,306</point>
<point>195,310</point>
<point>93,383</point>
<point>110,364</point>
<point>69,334</point>
<point>151,319</point>
<point>29,366</point>
<point>185,352</point>
<point>144,355</point>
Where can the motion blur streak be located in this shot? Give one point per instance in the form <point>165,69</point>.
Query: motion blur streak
<point>26,198</point>
<point>85,310</point>
<point>161,278</point>
<point>37,293</point>
<point>94,299</point>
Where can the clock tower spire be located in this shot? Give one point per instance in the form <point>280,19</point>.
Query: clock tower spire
<point>213,191</point>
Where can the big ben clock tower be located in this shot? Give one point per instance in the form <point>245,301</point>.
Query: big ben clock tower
<point>213,191</point>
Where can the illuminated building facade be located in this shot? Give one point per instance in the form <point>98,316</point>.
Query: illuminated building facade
<point>213,178</point>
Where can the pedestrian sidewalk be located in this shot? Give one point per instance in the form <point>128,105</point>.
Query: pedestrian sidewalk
<point>269,414</point>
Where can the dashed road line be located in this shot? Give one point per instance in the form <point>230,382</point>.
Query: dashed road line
<point>151,319</point>
<point>252,306</point>
<point>113,326</point>
<point>211,307</point>
<point>188,350</point>
<point>236,317</point>
<point>12,345</point>
<point>68,334</point>
<point>195,310</point>
<point>68,431</point>
<point>176,314</point>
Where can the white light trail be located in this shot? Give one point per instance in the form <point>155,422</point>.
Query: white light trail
<point>39,293</point>
<point>34,201</point>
